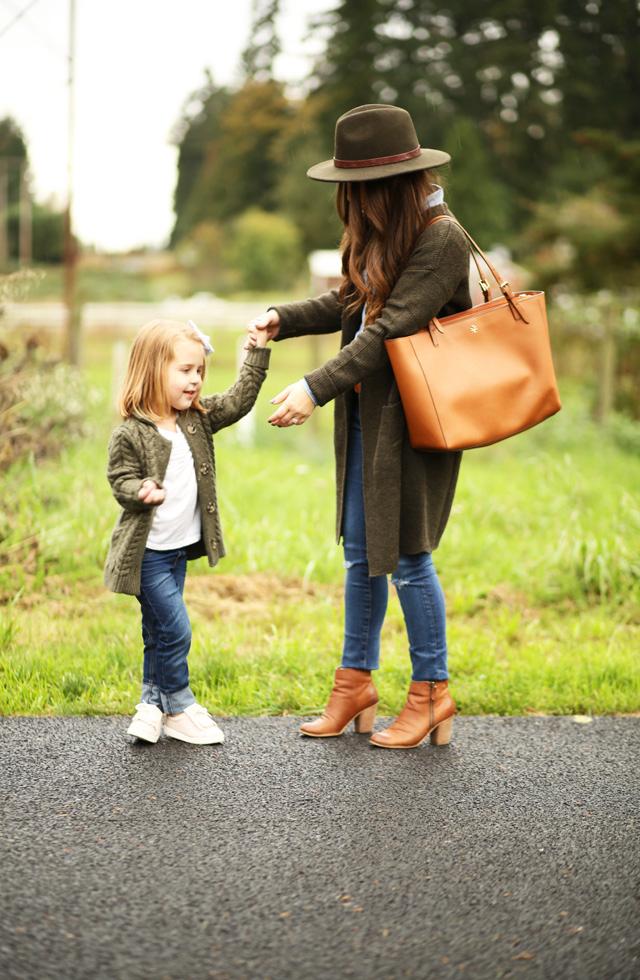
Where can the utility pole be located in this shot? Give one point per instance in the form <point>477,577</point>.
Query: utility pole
<point>70,251</point>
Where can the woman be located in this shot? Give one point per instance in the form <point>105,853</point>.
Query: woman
<point>392,502</point>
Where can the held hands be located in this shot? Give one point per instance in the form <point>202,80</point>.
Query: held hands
<point>151,493</point>
<point>261,329</point>
<point>295,406</point>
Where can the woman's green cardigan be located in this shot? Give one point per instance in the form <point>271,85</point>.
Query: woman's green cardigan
<point>407,494</point>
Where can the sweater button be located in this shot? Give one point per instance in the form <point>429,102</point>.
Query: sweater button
<point>204,469</point>
<point>191,428</point>
<point>213,543</point>
<point>211,507</point>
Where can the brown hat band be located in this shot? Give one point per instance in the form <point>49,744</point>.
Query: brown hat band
<point>377,161</point>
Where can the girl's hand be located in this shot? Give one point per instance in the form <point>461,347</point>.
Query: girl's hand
<point>261,329</point>
<point>260,340</point>
<point>295,406</point>
<point>151,493</point>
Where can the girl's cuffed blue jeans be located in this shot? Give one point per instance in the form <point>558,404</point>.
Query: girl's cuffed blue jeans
<point>166,631</point>
<point>365,602</point>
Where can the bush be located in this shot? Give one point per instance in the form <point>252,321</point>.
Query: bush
<point>48,234</point>
<point>582,325</point>
<point>43,405</point>
<point>265,251</point>
<point>201,248</point>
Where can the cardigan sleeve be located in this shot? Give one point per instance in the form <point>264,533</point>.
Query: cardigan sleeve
<point>323,314</point>
<point>435,270</point>
<point>237,401</point>
<point>125,471</point>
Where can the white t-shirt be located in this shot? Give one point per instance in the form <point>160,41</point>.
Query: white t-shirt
<point>177,522</point>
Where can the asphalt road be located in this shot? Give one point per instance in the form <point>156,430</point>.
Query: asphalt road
<point>513,852</point>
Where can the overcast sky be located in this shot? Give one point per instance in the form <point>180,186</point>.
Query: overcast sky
<point>136,62</point>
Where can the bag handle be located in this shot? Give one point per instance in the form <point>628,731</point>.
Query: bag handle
<point>484,285</point>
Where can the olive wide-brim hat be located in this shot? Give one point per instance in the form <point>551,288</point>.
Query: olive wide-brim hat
<point>375,141</point>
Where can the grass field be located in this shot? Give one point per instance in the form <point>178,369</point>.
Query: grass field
<point>540,565</point>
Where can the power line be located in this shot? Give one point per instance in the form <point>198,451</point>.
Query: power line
<point>36,30</point>
<point>18,17</point>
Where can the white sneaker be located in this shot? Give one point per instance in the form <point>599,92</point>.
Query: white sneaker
<point>146,723</point>
<point>194,724</point>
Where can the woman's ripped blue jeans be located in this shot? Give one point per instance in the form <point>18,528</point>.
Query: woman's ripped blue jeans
<point>365,604</point>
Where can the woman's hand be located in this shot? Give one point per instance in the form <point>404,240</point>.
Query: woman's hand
<point>151,493</point>
<point>295,406</point>
<point>269,322</point>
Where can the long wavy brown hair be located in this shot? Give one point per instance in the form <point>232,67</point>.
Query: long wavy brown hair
<point>382,220</point>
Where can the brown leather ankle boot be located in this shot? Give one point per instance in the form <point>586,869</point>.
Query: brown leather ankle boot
<point>353,698</point>
<point>429,709</point>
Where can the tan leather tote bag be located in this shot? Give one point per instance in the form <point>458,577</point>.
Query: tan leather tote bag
<point>480,376</point>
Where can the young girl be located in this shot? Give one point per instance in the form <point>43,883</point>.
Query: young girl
<point>162,473</point>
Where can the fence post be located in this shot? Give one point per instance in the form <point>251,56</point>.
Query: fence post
<point>118,358</point>
<point>607,366</point>
<point>4,211</point>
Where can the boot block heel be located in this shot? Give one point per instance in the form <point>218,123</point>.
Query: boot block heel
<point>442,732</point>
<point>364,721</point>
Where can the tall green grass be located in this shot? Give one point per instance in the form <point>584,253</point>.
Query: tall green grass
<point>540,565</point>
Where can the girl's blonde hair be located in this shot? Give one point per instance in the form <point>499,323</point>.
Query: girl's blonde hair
<point>144,390</point>
<point>381,224</point>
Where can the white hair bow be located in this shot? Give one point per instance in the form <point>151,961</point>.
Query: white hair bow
<point>208,349</point>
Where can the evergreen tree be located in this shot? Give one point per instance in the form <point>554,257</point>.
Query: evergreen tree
<point>591,240</point>
<point>245,171</point>
<point>13,156</point>
<point>526,75</point>
<point>349,73</point>
<point>503,85</point>
<point>47,229</point>
<point>264,43</point>
<point>198,136</point>
<point>308,203</point>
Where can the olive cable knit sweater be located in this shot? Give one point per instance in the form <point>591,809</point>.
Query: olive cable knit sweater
<point>137,452</point>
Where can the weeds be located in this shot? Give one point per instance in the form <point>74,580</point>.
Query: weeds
<point>44,404</point>
<point>8,626</point>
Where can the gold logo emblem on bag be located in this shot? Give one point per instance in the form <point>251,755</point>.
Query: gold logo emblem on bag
<point>473,328</point>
